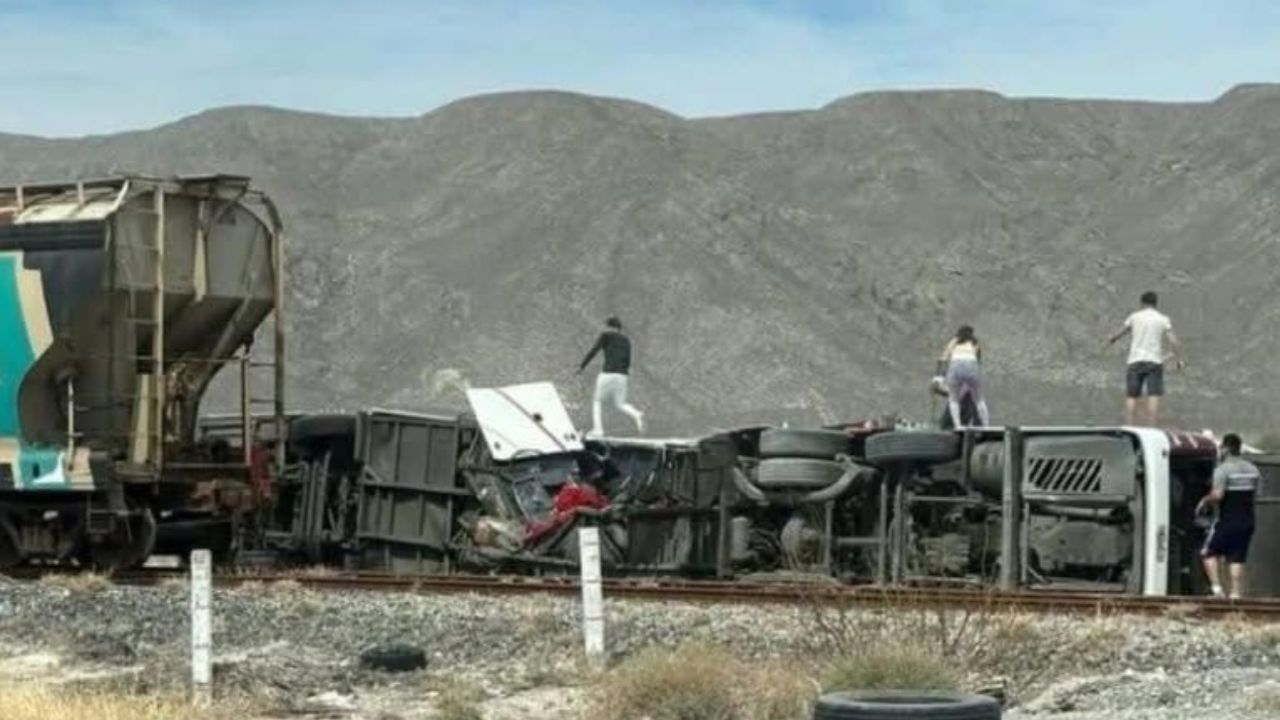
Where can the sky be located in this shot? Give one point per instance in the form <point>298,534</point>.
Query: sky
<point>79,67</point>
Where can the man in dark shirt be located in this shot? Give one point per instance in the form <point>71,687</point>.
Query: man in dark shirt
<point>611,385</point>
<point>1235,482</point>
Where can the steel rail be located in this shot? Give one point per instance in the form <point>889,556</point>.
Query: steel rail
<point>797,594</point>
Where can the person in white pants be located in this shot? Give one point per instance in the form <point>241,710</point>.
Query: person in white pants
<point>611,385</point>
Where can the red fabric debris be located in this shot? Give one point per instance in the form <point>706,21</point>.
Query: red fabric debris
<point>573,496</point>
<point>565,505</point>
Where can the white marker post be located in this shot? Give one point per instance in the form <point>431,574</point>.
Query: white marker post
<point>201,627</point>
<point>592,594</point>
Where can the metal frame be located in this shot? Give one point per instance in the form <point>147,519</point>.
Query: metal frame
<point>159,380</point>
<point>1011,509</point>
<point>378,495</point>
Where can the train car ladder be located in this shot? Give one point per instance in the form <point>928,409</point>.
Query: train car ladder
<point>148,317</point>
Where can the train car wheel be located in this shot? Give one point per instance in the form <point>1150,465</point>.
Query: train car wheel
<point>129,545</point>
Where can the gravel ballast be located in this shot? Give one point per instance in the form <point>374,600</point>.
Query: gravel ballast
<point>296,648</point>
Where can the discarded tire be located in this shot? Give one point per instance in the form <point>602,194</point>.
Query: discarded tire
<point>920,447</point>
<point>817,444</point>
<point>396,657</point>
<point>798,473</point>
<point>898,704</point>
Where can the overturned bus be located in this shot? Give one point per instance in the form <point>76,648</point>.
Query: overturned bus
<point>505,486</point>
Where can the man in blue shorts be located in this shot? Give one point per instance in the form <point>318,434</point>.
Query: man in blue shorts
<point>1235,482</point>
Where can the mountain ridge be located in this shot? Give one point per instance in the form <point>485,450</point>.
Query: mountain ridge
<point>800,266</point>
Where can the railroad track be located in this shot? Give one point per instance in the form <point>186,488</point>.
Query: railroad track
<point>805,594</point>
<point>751,593</point>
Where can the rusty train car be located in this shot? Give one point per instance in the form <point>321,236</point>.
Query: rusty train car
<point>120,300</point>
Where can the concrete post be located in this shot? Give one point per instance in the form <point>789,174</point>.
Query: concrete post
<point>201,627</point>
<point>592,594</point>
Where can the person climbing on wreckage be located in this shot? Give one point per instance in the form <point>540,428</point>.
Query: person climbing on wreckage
<point>960,369</point>
<point>611,384</point>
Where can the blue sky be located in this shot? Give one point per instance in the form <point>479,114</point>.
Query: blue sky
<point>94,66</point>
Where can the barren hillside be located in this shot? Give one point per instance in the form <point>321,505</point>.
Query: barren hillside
<point>800,266</point>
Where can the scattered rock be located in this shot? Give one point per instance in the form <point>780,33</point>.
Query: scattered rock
<point>331,701</point>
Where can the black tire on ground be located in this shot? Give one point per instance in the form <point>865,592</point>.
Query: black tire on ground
<point>899,704</point>
<point>818,444</point>
<point>396,657</point>
<point>920,447</point>
<point>797,473</point>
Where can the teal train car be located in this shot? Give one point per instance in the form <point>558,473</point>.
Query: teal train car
<point>120,301</point>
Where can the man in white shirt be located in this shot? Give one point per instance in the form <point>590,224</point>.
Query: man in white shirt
<point>1150,329</point>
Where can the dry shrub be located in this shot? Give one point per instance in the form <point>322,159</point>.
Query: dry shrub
<point>456,699</point>
<point>897,667</point>
<point>562,670</point>
<point>1095,645</point>
<point>84,583</point>
<point>31,702</point>
<point>700,682</point>
<point>776,693</point>
<point>984,641</point>
<point>457,707</point>
<point>695,682</point>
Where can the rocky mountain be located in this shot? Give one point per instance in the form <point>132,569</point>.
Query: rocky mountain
<point>800,266</point>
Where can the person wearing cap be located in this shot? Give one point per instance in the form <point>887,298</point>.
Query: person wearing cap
<point>1144,374</point>
<point>611,383</point>
<point>1235,483</point>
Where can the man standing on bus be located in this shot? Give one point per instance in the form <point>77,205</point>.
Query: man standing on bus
<point>1235,482</point>
<point>1144,374</point>
<point>611,383</point>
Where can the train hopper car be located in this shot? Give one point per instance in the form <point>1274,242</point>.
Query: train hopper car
<point>120,299</point>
